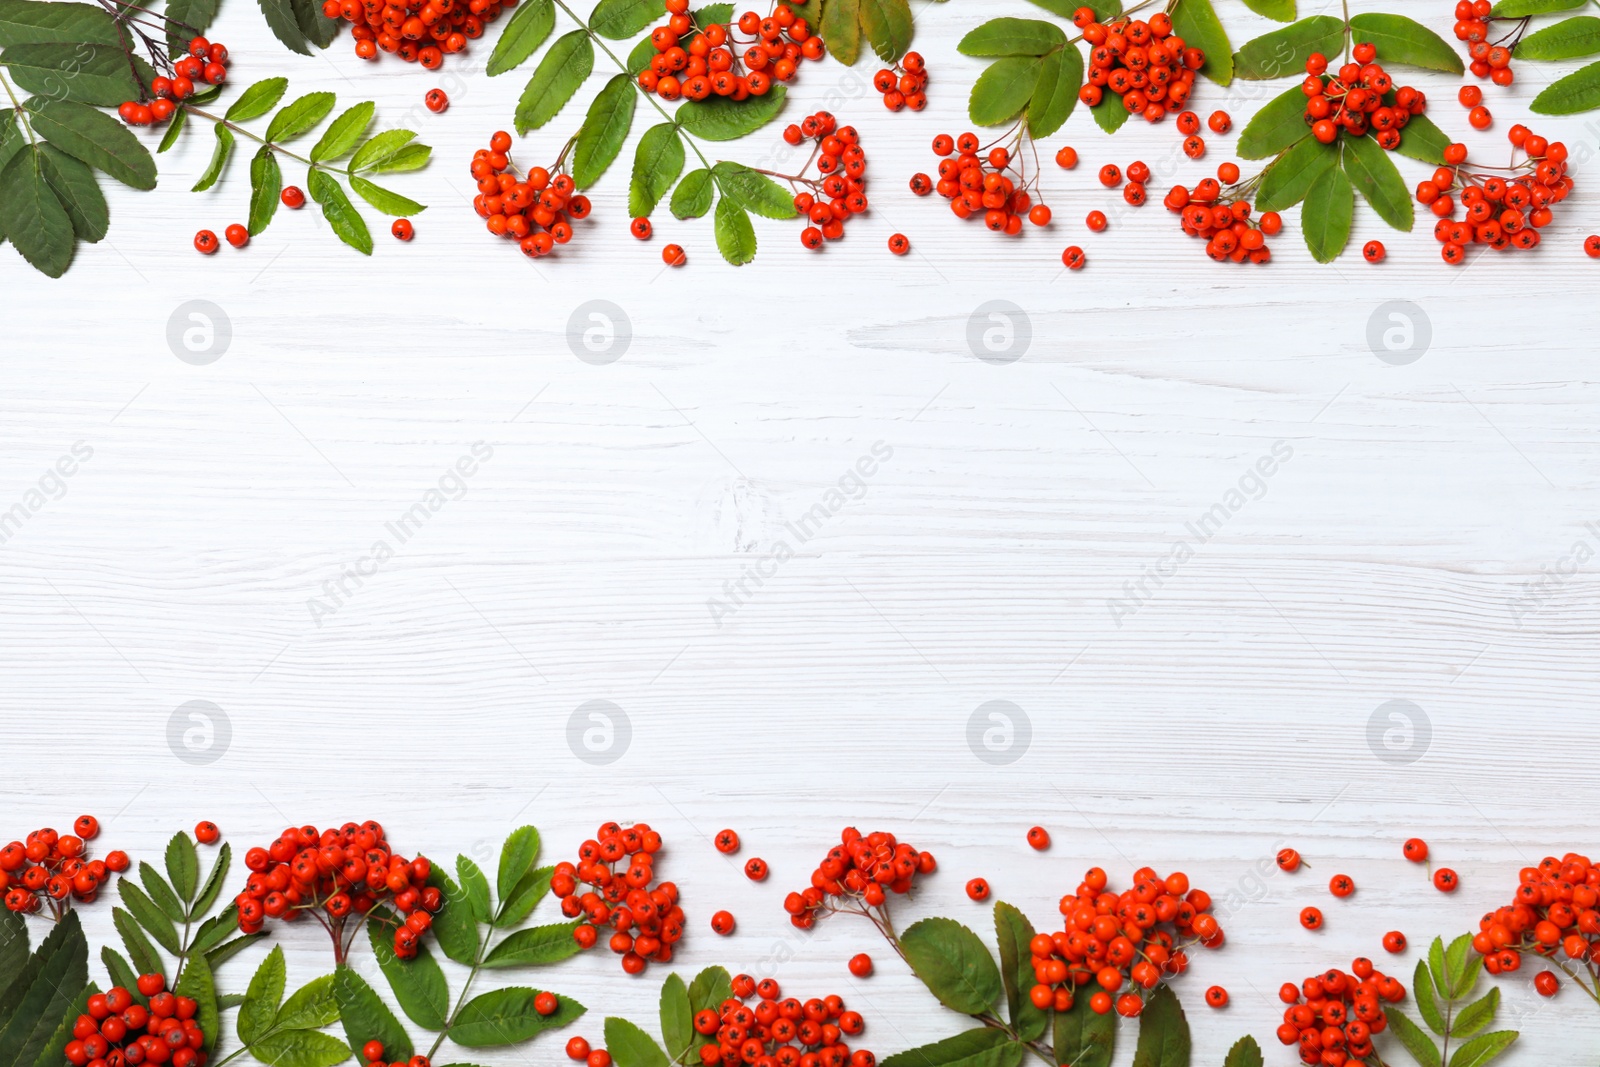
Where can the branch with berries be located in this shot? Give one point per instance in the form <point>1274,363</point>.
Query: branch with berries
<point>1495,34</point>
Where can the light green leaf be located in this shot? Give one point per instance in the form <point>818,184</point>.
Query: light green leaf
<point>536,945</point>
<point>887,26</point>
<point>299,116</point>
<point>1283,53</point>
<point>1410,1035</point>
<point>1405,41</point>
<point>183,865</point>
<point>984,1047</point>
<point>1427,1000</point>
<point>342,215</point>
<point>197,983</point>
<point>525,895</point>
<point>1280,123</point>
<point>257,100</point>
<point>841,28</point>
<point>311,1007</point>
<point>677,1018</point>
<point>1056,92</point>
<point>411,156</point>
<point>454,926</point>
<point>386,201</point>
<point>508,1017</point>
<point>175,128</point>
<point>1003,90</point>
<point>266,184</point>
<point>1483,1048</point>
<point>565,66</point>
<point>692,198</point>
<point>150,917</point>
<point>1476,1016</point>
<point>736,238</point>
<point>1423,141</point>
<point>1516,9</point>
<point>528,28</point>
<point>1277,10</point>
<point>380,148</point>
<point>1461,966</point>
<point>475,887</point>
<point>632,1047</point>
<point>1012,37</point>
<point>1109,114</point>
<point>300,1048</point>
<point>1578,91</point>
<point>657,162</point>
<point>1376,178</point>
<point>1568,39</point>
<point>1197,23</point>
<point>753,191</point>
<point>343,132</point>
<point>600,139</point>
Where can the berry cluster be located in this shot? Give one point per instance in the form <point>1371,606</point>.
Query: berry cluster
<point>1490,59</point>
<point>1194,145</point>
<point>418,31</point>
<point>1355,99</point>
<point>54,869</point>
<point>1109,938</point>
<point>779,1033</point>
<point>115,1030</point>
<point>205,61</point>
<point>1143,62</point>
<point>1332,1016</point>
<point>1501,212</point>
<point>905,84</point>
<point>712,62</point>
<point>332,874</point>
<point>841,191</point>
<point>857,874</point>
<point>534,209</point>
<point>1218,211</point>
<point>1556,908</point>
<point>976,180</point>
<point>619,864</point>
<point>374,1053</point>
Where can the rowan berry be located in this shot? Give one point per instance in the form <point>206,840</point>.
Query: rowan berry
<point>755,869</point>
<point>436,101</point>
<point>599,1058</point>
<point>1546,984</point>
<point>1394,941</point>
<point>237,235</point>
<point>1415,849</point>
<point>899,244</point>
<point>641,228</point>
<point>87,827</point>
<point>1219,122</point>
<point>1289,860</point>
<point>1339,1013</point>
<point>207,833</point>
<point>1342,885</point>
<point>1591,246</point>
<point>373,1051</point>
<point>206,243</point>
<point>1445,880</point>
<point>1217,997</point>
<point>545,1003</point>
<point>904,84</point>
<point>1039,838</point>
<point>1188,123</point>
<point>1373,252</point>
<point>402,229</point>
<point>1110,175</point>
<point>1480,118</point>
<point>1074,259</point>
<point>577,1048</point>
<point>1311,918</point>
<point>1194,146</point>
<point>727,842</point>
<point>861,965</point>
<point>978,889</point>
<point>1066,157</point>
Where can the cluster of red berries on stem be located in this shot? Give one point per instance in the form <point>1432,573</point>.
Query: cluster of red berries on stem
<point>52,870</point>
<point>840,191</point>
<point>977,180</point>
<point>1332,1016</point>
<point>1490,59</point>
<point>618,866</point>
<point>857,876</point>
<point>1354,99</point>
<point>776,1032</point>
<point>418,31</point>
<point>1142,62</point>
<point>334,874</point>
<point>1109,939</point>
<point>1503,213</point>
<point>1217,210</point>
<point>373,1053</point>
<point>718,61</point>
<point>1555,914</point>
<point>534,209</point>
<point>117,1031</point>
<point>206,61</point>
<point>905,84</point>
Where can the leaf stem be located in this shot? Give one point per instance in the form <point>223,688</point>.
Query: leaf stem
<point>241,131</point>
<point>17,109</point>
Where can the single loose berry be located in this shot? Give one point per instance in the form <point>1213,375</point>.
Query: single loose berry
<point>1217,997</point>
<point>1480,118</point>
<point>861,965</point>
<point>1289,860</point>
<point>1110,175</point>
<point>403,229</point>
<point>86,827</point>
<point>1394,941</point>
<point>641,228</point>
<point>293,197</point>
<point>577,1048</point>
<point>207,834</point>
<point>1341,885</point>
<point>1311,918</point>
<point>373,1050</point>
<point>978,889</point>
<point>1220,122</point>
<point>673,256</point>
<point>599,1058</point>
<point>899,244</point>
<point>727,842</point>
<point>1415,849</point>
<point>237,235</point>
<point>755,869</point>
<point>1067,157</point>
<point>1074,258</point>
<point>1546,984</point>
<point>206,242</point>
<point>1039,838</point>
<point>1591,246</point>
<point>436,101</point>
<point>1039,215</point>
<point>1096,221</point>
<point>1374,252</point>
<point>722,923</point>
<point>1445,880</point>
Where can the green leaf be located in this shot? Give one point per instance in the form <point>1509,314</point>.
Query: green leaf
<point>346,221</point>
<point>197,983</point>
<point>1410,1035</point>
<point>1376,178</point>
<point>1423,141</point>
<point>1084,1038</point>
<point>621,19</point>
<point>528,28</point>
<point>600,139</point>
<point>54,977</point>
<point>54,1050</point>
<point>1283,53</point>
<point>1197,23</point>
<point>311,1007</point>
<point>185,19</point>
<point>1567,39</point>
<point>1012,932</point>
<point>299,116</point>
<point>1405,41</point>
<point>98,74</point>
<point>475,887</point>
<point>1277,10</point>
<point>262,998</point>
<point>453,924</point>
<point>266,184</point>
<point>229,949</point>
<point>213,885</point>
<point>1055,94</point>
<point>343,132</point>
<point>525,896</point>
<point>409,157</point>
<point>219,159</point>
<point>887,27</point>
<point>507,1017</point>
<point>1109,114</point>
<point>536,945</point>
<point>386,201</point>
<point>1003,89</point>
<point>1436,965</point>
<point>1578,91</point>
<point>183,865</point>
<point>317,27</point>
<point>150,917</point>
<point>677,1018</point>
<point>953,964</point>
<point>564,67</point>
<point>180,119</point>
<point>1325,218</point>
<point>380,148</point>
<point>121,972</point>
<point>1516,9</point>
<point>1483,1048</point>
<point>300,1048</point>
<point>1280,123</point>
<point>364,1015</point>
<point>632,1047</point>
<point>984,1047</point>
<point>35,22</point>
<point>1245,1052</point>
<point>736,238</point>
<point>1105,10</point>
<point>657,162</point>
<point>1461,966</point>
<point>95,138</point>
<point>1012,37</point>
<point>1476,1016</point>
<point>418,983</point>
<point>1163,1032</point>
<point>720,118</point>
<point>841,28</point>
<point>140,951</point>
<point>257,100</point>
<point>285,25</point>
<point>709,989</point>
<point>753,191</point>
<point>692,198</point>
<point>1426,998</point>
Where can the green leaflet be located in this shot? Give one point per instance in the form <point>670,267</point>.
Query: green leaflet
<point>565,66</point>
<point>677,1017</point>
<point>841,28</point>
<point>953,963</point>
<point>984,1047</point>
<point>1283,53</point>
<point>631,1046</point>
<point>507,1017</point>
<point>754,192</point>
<point>380,149</point>
<point>346,221</point>
<point>528,28</point>
<point>1163,1032</point>
<point>219,159</point>
<point>1376,178</point>
<point>343,132</point>
<point>36,22</point>
<point>299,116</point>
<point>1515,9</point>
<point>1109,114</point>
<point>1197,23</point>
<point>188,17</point>
<point>419,984</point>
<point>621,19</point>
<point>1013,932</point>
<point>257,100</point>
<point>94,74</point>
<point>692,198</point>
<point>657,162</point>
<point>1277,10</point>
<point>1279,124</point>
<point>1578,91</point>
<point>1405,41</point>
<point>1325,219</point>
<point>1003,90</point>
<point>736,238</point>
<point>266,184</point>
<point>364,1015</point>
<point>535,945</point>
<point>600,139</point>
<point>454,926</point>
<point>1568,39</point>
<point>1244,1053</point>
<point>1055,94</point>
<point>1423,141</point>
<point>95,138</point>
<point>887,27</point>
<point>717,118</point>
<point>385,200</point>
<point>1012,37</point>
<point>1083,1038</point>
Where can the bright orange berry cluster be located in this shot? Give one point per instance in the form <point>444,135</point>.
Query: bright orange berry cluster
<point>1490,59</point>
<point>841,191</point>
<point>858,873</point>
<point>904,85</point>
<point>206,61</point>
<point>533,209</point>
<point>1140,935</point>
<point>55,869</point>
<point>1503,213</point>
<point>418,31</point>
<point>116,1030</point>
<point>333,874</point>
<point>1355,99</point>
<point>1556,908</point>
<point>1332,1016</point>
<point>779,1033</point>
<point>618,863</point>
<point>977,181</point>
<point>1221,216</point>
<point>1143,63</point>
<point>700,61</point>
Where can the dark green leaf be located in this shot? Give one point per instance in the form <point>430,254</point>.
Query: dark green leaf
<point>54,977</point>
<point>841,28</point>
<point>1012,37</point>
<point>887,27</point>
<point>953,964</point>
<point>985,1047</point>
<point>54,1050</point>
<point>300,1048</point>
<point>117,966</point>
<point>346,221</point>
<point>564,67</point>
<point>213,887</point>
<point>1109,114</point>
<point>536,945</point>
<point>164,896</point>
<point>621,19</point>
<point>418,983</point>
<point>197,983</point>
<point>140,950</point>
<point>1567,39</point>
<point>257,100</point>
<point>1197,23</point>
<point>1516,9</point>
<point>365,1016</point>
<point>1003,90</point>
<point>1410,1035</point>
<point>525,896</point>
<point>453,925</point>
<point>1483,1048</point>
<point>692,198</point>
<point>720,118</point>
<point>507,1017</point>
<point>187,19</point>
<point>709,989</point>
<point>225,951</point>
<point>1326,216</point>
<point>299,116</point>
<point>736,238</point>
<point>11,142</point>
<point>600,139</point>
<point>1245,1052</point>
<point>1012,932</point>
<point>657,162</point>
<point>311,1007</point>
<point>1427,1000</point>
<point>1280,123</point>
<point>97,74</point>
<point>317,27</point>
<point>95,138</point>
<point>1405,41</point>
<point>632,1047</point>
<point>285,25</point>
<point>180,119</point>
<point>380,148</point>
<point>262,998</point>
<point>411,156</point>
<point>1578,91</point>
<point>523,35</point>
<point>677,1018</point>
<point>390,203</point>
<point>343,132</point>
<point>38,22</point>
<point>150,917</point>
<point>1163,1032</point>
<point>1283,53</point>
<point>1277,10</point>
<point>475,887</point>
<point>1423,141</point>
<point>1376,178</point>
<point>753,191</point>
<point>1056,92</point>
<point>1476,1016</point>
<point>266,184</point>
<point>1083,1037</point>
<point>219,159</point>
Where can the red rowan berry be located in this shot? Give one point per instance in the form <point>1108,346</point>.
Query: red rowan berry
<point>1311,918</point>
<point>545,1003</point>
<point>436,101</point>
<point>206,242</point>
<point>1194,146</point>
<point>1415,850</point>
<point>641,228</point>
<point>861,965</point>
<point>402,229</point>
<point>727,841</point>
<point>1074,259</point>
<point>1110,175</point>
<point>1289,860</point>
<point>237,235</point>
<point>599,1058</point>
<point>1096,221</point>
<point>207,833</point>
<point>1445,880</point>
<point>1374,252</point>
<point>1039,838</point>
<point>755,869</point>
<point>1217,997</point>
<point>1342,885</point>
<point>1227,173</point>
<point>899,244</point>
<point>978,889</point>
<point>1480,118</point>
<point>1066,157</point>
<point>1547,984</point>
<point>1394,941</point>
